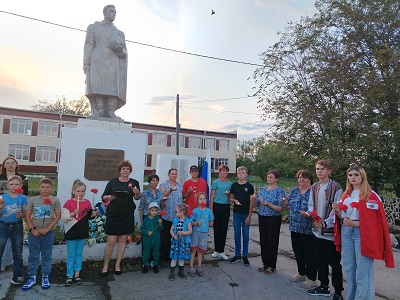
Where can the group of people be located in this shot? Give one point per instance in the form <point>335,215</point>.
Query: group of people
<point>328,227</point>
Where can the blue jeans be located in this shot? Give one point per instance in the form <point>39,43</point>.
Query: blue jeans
<point>16,235</point>
<point>240,227</point>
<point>41,245</point>
<point>359,269</point>
<point>74,256</point>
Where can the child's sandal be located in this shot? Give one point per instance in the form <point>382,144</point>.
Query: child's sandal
<point>69,281</point>
<point>78,280</point>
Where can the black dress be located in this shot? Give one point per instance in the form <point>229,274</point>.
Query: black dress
<point>120,218</point>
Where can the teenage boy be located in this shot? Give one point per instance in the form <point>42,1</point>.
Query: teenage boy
<point>220,206</point>
<point>192,187</point>
<point>12,207</point>
<point>323,194</point>
<point>42,214</point>
<point>243,197</point>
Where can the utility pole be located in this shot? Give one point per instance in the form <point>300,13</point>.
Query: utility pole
<point>177,124</point>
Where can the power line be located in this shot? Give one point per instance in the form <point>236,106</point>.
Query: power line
<point>169,114</point>
<point>220,100</point>
<point>189,116</point>
<point>139,43</point>
<point>225,111</point>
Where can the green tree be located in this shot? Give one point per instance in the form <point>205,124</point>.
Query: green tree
<point>332,85</point>
<point>62,105</point>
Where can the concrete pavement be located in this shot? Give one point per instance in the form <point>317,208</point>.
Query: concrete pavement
<point>219,280</point>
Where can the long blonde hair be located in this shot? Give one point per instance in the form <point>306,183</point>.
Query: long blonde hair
<point>365,188</point>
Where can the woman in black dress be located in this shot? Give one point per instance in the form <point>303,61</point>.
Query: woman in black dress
<point>120,193</point>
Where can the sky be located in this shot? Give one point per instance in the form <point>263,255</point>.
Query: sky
<point>42,61</point>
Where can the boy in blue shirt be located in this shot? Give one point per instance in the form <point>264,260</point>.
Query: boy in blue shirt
<point>12,207</point>
<point>202,219</point>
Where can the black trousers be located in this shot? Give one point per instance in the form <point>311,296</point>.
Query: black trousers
<point>303,248</point>
<point>269,228</point>
<point>221,220</point>
<point>165,235</point>
<point>326,255</point>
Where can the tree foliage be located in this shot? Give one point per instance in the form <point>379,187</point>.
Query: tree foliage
<point>332,85</point>
<point>62,105</point>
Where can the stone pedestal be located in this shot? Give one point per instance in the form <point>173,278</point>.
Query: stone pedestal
<point>88,137</point>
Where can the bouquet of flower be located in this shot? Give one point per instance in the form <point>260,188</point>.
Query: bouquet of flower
<point>137,234</point>
<point>96,230</point>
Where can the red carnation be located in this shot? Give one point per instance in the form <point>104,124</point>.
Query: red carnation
<point>19,191</point>
<point>313,214</point>
<point>163,213</point>
<point>95,191</point>
<point>47,201</point>
<point>203,204</point>
<point>190,212</point>
<point>317,219</point>
<point>343,206</point>
<point>130,185</point>
<point>355,205</point>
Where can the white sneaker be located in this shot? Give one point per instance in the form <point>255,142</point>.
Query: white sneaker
<point>215,254</point>
<point>223,256</point>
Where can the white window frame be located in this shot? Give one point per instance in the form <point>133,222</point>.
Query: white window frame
<point>209,143</point>
<point>224,145</point>
<point>46,154</point>
<point>48,128</point>
<point>223,161</point>
<point>159,139</point>
<point>21,126</point>
<point>195,142</point>
<point>19,151</point>
<point>181,141</point>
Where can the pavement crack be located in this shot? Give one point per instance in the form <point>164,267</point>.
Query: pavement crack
<point>233,284</point>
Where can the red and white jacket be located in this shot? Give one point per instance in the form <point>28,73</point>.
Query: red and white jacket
<point>374,231</point>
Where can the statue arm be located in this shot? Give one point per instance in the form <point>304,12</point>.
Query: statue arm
<point>88,48</point>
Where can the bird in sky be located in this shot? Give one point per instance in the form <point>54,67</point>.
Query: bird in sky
<point>212,12</point>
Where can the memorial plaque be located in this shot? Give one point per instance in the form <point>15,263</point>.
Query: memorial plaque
<point>101,164</point>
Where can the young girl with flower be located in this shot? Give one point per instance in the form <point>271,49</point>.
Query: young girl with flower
<point>180,231</point>
<point>361,233</point>
<point>42,214</point>
<point>76,213</point>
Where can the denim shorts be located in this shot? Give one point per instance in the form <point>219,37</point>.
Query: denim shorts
<point>199,241</point>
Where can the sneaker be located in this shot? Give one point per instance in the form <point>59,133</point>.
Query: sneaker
<point>235,259</point>
<point>45,282</point>
<point>192,272</point>
<point>16,281</point>
<point>308,284</point>
<point>246,261</point>
<point>215,254</point>
<point>223,256</point>
<point>337,297</point>
<point>151,264</point>
<point>298,277</point>
<point>319,291</point>
<point>199,271</point>
<point>30,283</point>
<point>156,269</point>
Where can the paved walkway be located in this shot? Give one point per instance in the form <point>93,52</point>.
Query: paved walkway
<point>221,280</point>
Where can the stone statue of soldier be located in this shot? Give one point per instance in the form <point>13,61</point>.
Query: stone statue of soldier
<point>105,61</point>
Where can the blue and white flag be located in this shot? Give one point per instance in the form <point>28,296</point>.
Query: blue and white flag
<point>206,175</point>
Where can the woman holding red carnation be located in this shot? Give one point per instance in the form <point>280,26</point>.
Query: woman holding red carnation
<point>361,233</point>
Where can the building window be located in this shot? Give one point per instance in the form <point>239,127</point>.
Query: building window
<point>209,143</point>
<point>20,152</point>
<point>47,128</point>
<point>21,126</point>
<point>223,145</point>
<point>46,154</point>
<point>181,141</point>
<point>222,161</point>
<point>159,139</point>
<point>195,142</point>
